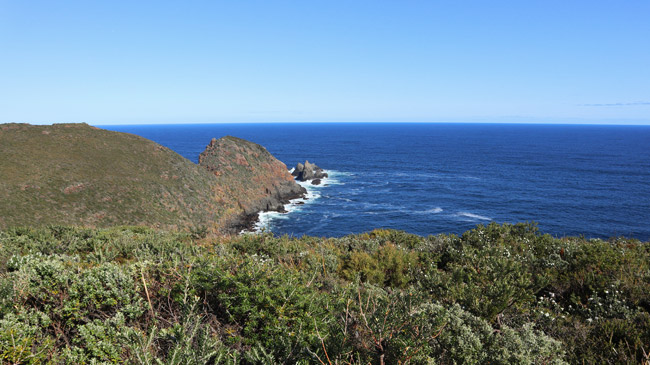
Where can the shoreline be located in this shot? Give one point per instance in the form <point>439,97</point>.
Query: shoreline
<point>256,222</point>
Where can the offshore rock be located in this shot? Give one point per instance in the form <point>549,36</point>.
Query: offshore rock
<point>248,174</point>
<point>308,171</point>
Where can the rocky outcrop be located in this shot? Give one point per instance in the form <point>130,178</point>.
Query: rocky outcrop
<point>250,176</point>
<point>75,174</point>
<point>309,172</point>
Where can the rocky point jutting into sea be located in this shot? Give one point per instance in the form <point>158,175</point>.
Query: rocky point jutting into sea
<point>247,171</point>
<point>75,174</point>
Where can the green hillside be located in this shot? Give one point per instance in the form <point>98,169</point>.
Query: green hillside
<point>497,294</point>
<point>75,174</point>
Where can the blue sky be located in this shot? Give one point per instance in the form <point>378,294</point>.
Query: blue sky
<point>133,62</point>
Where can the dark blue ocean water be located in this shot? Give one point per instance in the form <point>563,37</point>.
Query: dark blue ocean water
<point>447,178</point>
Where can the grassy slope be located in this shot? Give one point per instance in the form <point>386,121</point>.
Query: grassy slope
<point>496,294</point>
<point>77,174</point>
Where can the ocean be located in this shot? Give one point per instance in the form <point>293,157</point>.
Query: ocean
<point>589,180</point>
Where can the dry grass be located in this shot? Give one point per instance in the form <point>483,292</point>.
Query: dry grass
<point>81,175</point>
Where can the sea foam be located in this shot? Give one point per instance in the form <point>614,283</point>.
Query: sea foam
<point>265,219</point>
<point>473,216</point>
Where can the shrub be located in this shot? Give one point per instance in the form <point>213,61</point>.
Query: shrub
<point>138,295</point>
<point>22,340</point>
<point>264,305</point>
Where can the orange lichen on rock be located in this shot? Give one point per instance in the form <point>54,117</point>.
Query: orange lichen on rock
<point>254,180</point>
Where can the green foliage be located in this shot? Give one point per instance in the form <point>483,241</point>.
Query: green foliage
<point>404,327</point>
<point>496,294</point>
<point>55,285</point>
<point>264,303</point>
<point>103,341</point>
<point>387,265</point>
<point>22,340</point>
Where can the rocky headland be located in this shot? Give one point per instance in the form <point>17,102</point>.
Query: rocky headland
<point>247,171</point>
<point>76,174</point>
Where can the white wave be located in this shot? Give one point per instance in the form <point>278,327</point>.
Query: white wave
<point>312,191</point>
<point>344,199</point>
<point>333,178</point>
<point>391,209</point>
<point>473,216</point>
<point>265,219</point>
<point>339,173</point>
<point>382,206</point>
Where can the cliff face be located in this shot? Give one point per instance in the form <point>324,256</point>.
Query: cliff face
<point>75,174</point>
<point>248,175</point>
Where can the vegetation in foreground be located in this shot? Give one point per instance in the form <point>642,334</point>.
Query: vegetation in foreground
<point>496,294</point>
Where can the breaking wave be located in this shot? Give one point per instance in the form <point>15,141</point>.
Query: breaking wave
<point>265,219</point>
<point>473,216</point>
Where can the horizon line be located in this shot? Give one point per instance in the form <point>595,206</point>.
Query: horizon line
<point>586,123</point>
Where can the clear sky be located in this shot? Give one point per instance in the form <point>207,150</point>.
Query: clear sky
<point>132,62</point>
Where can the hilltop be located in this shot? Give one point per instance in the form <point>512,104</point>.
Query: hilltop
<point>76,174</point>
<point>248,171</point>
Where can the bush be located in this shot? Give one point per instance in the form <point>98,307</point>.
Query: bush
<point>139,295</point>
<point>22,340</point>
